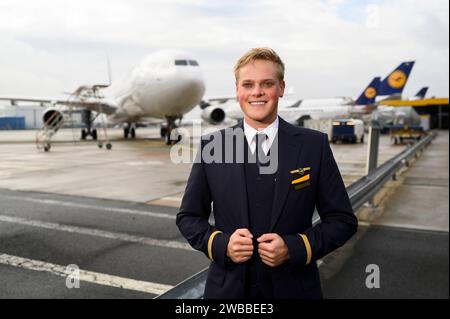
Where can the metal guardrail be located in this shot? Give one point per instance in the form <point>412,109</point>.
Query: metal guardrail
<point>367,186</point>
<point>359,193</point>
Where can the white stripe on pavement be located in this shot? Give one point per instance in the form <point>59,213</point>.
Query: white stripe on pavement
<point>83,275</point>
<point>175,199</point>
<point>85,206</point>
<point>97,232</point>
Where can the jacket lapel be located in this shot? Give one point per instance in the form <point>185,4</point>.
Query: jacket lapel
<point>238,171</point>
<point>289,147</point>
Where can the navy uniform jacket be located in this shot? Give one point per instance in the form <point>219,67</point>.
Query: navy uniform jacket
<point>224,185</point>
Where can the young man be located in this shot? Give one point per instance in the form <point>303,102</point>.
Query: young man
<point>263,244</point>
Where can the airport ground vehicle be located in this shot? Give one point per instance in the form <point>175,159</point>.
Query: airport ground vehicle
<point>401,133</point>
<point>321,125</point>
<point>347,130</point>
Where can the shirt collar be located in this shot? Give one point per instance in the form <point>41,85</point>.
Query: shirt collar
<point>270,131</point>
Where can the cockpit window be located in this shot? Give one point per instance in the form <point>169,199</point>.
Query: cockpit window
<point>181,62</point>
<point>186,62</point>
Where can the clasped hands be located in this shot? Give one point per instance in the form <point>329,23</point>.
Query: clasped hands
<point>271,248</point>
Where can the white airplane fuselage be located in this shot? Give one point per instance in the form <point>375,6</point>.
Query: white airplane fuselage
<point>164,84</point>
<point>292,114</point>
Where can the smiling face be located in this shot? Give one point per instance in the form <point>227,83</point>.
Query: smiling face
<point>258,89</point>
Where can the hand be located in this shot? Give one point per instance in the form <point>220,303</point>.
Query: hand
<point>272,249</point>
<point>240,246</point>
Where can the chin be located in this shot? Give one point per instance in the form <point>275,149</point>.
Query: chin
<point>261,119</point>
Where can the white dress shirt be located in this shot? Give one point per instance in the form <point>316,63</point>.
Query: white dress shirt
<point>271,132</point>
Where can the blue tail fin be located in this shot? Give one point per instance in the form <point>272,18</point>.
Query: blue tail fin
<point>422,92</point>
<point>370,93</point>
<point>395,82</point>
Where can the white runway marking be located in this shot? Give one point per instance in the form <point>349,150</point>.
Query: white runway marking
<point>87,276</point>
<point>144,163</point>
<point>85,206</point>
<point>175,199</point>
<point>97,233</point>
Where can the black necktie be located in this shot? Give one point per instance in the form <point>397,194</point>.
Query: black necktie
<point>261,157</point>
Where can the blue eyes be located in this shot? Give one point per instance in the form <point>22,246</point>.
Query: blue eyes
<point>264,85</point>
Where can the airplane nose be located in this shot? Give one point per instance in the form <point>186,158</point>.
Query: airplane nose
<point>194,88</point>
<point>199,86</point>
<point>187,93</point>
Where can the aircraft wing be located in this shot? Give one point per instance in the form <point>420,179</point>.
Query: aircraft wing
<point>15,99</point>
<point>93,104</point>
<point>216,100</point>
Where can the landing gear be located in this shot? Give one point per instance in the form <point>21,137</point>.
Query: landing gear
<point>89,131</point>
<point>166,131</point>
<point>129,129</point>
<point>163,131</point>
<point>85,133</point>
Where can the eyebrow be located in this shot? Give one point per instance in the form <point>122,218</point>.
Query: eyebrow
<point>265,80</point>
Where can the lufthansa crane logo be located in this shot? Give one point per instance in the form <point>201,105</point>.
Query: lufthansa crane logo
<point>370,92</point>
<point>397,79</point>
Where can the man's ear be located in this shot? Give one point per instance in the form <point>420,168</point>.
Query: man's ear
<point>282,87</point>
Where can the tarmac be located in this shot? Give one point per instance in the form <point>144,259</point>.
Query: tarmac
<point>112,214</point>
<point>134,170</point>
<point>406,237</point>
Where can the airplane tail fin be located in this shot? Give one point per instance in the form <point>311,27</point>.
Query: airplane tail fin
<point>422,92</point>
<point>370,93</point>
<point>395,82</point>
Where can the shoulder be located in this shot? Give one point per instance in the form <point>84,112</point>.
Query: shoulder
<point>222,133</point>
<point>311,133</point>
<point>305,133</point>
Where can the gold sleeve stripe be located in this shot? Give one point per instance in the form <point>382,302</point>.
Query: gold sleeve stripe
<point>308,248</point>
<point>301,179</point>
<point>210,241</point>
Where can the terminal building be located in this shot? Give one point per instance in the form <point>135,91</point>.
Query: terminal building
<point>20,117</point>
<point>29,117</point>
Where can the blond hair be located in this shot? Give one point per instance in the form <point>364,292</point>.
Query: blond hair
<point>267,54</point>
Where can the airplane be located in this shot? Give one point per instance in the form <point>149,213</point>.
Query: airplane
<point>216,110</point>
<point>422,92</point>
<point>165,85</point>
<point>300,113</point>
<point>393,85</point>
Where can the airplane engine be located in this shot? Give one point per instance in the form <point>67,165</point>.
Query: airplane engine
<point>53,118</point>
<point>213,114</point>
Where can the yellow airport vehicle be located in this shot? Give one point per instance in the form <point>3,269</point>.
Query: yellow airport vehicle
<point>402,133</point>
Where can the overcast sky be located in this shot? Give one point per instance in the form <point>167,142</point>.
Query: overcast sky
<point>330,48</point>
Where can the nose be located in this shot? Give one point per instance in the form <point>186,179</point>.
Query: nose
<point>257,90</point>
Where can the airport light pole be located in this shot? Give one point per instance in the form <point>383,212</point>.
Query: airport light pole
<point>372,150</point>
